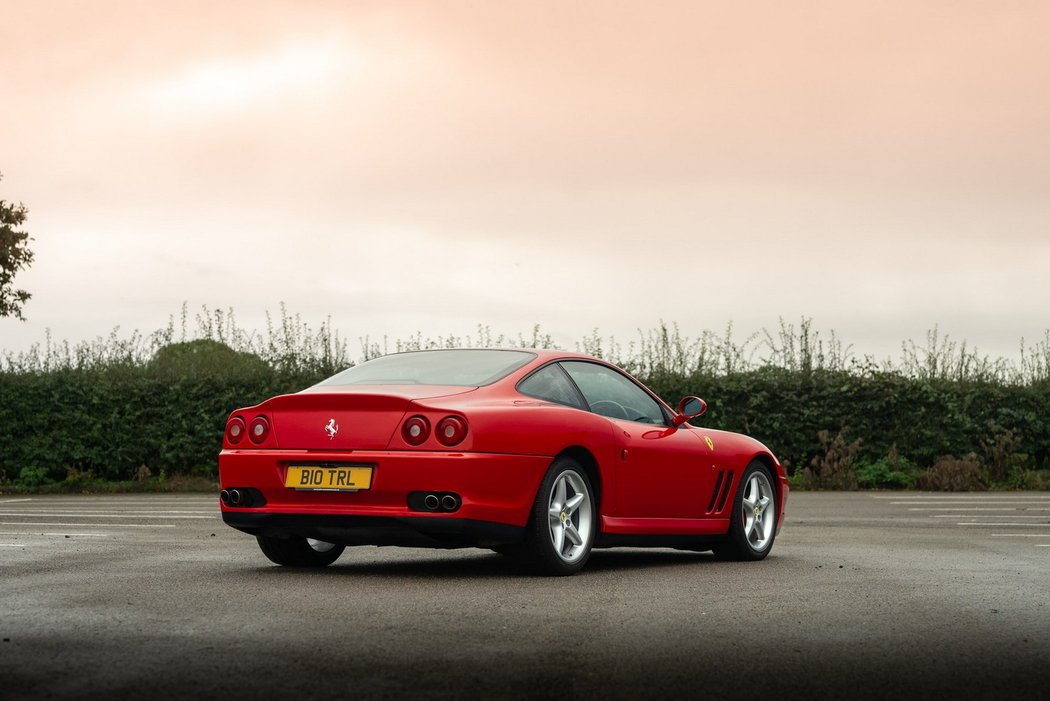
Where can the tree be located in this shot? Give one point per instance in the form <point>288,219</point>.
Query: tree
<point>205,357</point>
<point>14,255</point>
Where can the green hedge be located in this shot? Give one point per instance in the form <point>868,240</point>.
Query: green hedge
<point>169,414</point>
<point>922,419</point>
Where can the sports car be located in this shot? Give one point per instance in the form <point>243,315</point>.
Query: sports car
<point>539,455</point>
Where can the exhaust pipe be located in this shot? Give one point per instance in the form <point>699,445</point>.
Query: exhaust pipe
<point>224,497</point>
<point>236,497</point>
<point>440,502</point>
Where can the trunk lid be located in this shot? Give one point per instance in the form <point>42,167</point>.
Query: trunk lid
<point>356,417</point>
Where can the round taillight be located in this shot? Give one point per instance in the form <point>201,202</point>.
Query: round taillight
<point>451,430</point>
<point>258,429</point>
<point>416,430</point>
<point>235,430</point>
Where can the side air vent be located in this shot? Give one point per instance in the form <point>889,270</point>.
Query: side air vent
<point>726,484</point>
<point>716,491</point>
<point>720,493</point>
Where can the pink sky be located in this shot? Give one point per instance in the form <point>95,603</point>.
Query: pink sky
<point>402,167</point>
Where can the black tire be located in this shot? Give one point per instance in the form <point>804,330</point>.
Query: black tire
<point>751,531</point>
<point>294,551</point>
<point>542,548</point>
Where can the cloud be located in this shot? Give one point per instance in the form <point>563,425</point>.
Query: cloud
<point>413,166</point>
<point>286,72</point>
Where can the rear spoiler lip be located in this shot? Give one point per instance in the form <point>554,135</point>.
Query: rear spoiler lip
<point>410,392</point>
<point>315,398</point>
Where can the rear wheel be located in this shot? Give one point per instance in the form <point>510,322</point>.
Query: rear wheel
<point>294,551</point>
<point>564,519</point>
<point>753,520</point>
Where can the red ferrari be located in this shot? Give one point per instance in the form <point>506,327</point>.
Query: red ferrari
<point>539,455</point>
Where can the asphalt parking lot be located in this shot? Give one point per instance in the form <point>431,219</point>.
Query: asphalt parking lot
<point>865,595</point>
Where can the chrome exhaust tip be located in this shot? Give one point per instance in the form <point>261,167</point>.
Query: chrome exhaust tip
<point>236,497</point>
<point>449,502</point>
<point>431,502</point>
<point>224,497</point>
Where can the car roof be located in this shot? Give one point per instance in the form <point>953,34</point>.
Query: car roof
<point>543,354</point>
<point>548,354</point>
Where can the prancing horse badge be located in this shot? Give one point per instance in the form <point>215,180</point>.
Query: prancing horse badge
<point>332,428</point>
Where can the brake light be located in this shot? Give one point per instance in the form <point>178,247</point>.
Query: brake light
<point>235,429</point>
<point>258,429</point>
<point>416,430</point>
<point>451,430</point>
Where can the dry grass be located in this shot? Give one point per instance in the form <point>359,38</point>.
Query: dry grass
<point>834,467</point>
<point>290,344</point>
<point>952,474</point>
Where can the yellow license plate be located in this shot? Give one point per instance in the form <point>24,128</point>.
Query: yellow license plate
<point>338,479</point>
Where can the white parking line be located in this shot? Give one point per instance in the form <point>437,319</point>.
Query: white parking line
<point>37,509</point>
<point>983,511</point>
<point>1021,535</point>
<point>973,501</point>
<point>60,535</point>
<point>106,512</point>
<point>88,525</point>
<point>79,514</point>
<point>42,503</point>
<point>13,501</point>
<point>985,516</point>
<point>11,545</point>
<point>157,499</point>
<point>962,508</point>
<point>961,496</point>
<point>1017,525</point>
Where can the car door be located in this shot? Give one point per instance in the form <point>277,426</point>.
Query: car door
<point>662,471</point>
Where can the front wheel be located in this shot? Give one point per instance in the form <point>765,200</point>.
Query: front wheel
<point>294,551</point>
<point>753,520</point>
<point>564,519</point>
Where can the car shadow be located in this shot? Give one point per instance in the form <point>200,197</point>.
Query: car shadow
<point>488,565</point>
<point>622,559</point>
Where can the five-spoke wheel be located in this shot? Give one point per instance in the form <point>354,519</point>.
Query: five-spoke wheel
<point>753,520</point>
<point>561,532</point>
<point>569,516</point>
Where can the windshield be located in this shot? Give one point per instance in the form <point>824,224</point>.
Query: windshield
<point>466,368</point>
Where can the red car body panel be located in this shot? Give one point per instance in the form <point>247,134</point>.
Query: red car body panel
<point>494,487</point>
<point>651,480</point>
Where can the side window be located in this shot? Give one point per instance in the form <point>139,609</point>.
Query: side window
<point>550,384</point>
<point>611,394</point>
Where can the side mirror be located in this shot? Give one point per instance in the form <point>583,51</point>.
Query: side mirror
<point>689,408</point>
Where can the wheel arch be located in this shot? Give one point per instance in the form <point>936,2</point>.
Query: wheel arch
<point>778,481</point>
<point>770,464</point>
<point>590,465</point>
<point>767,460</point>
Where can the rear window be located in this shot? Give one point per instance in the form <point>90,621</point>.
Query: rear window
<point>466,368</point>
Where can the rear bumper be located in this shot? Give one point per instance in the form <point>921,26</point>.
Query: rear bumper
<point>409,531</point>
<point>495,491</point>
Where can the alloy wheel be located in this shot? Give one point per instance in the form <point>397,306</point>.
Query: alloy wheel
<point>757,512</point>
<point>569,515</point>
